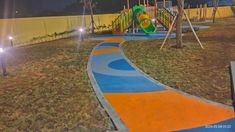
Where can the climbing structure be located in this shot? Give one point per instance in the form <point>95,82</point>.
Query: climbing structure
<point>140,17</point>
<point>122,22</point>
<point>135,16</point>
<point>165,17</point>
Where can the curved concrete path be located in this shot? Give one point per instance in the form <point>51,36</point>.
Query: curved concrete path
<point>136,101</point>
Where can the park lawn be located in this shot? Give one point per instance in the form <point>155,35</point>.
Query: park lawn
<point>204,73</point>
<point>48,89</point>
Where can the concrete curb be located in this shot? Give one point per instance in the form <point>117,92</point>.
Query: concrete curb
<point>173,89</point>
<point>119,124</point>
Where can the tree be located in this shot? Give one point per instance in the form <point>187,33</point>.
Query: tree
<point>215,3</point>
<point>180,5</point>
<point>88,4</point>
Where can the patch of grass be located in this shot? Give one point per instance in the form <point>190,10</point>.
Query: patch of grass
<point>48,89</point>
<point>203,73</point>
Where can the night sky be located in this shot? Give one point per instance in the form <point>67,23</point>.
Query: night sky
<point>28,8</point>
<point>34,8</point>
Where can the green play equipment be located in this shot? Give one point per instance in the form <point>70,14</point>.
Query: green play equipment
<point>135,16</point>
<point>142,19</point>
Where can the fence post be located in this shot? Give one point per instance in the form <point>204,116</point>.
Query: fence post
<point>232,71</point>
<point>3,64</point>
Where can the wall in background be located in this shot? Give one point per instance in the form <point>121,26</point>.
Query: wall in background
<point>34,30</point>
<point>206,12</point>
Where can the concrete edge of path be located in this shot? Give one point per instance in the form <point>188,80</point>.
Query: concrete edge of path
<point>118,123</point>
<point>173,89</point>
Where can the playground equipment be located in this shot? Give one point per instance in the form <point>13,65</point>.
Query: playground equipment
<point>143,20</point>
<point>122,22</point>
<point>139,16</point>
<point>131,17</point>
<point>165,17</point>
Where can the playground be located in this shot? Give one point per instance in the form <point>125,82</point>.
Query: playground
<point>132,77</point>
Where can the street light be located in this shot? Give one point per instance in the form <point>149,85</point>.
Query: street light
<point>81,30</point>
<point>11,40</point>
<point>1,50</point>
<point>3,62</point>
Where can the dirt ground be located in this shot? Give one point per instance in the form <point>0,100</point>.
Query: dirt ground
<point>48,89</point>
<point>203,73</point>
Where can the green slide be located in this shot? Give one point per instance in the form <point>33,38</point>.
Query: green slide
<point>143,19</point>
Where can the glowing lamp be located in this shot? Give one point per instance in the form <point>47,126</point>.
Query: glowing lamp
<point>81,29</point>
<point>1,50</point>
<point>10,38</point>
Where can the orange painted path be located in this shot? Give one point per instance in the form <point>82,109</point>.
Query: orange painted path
<point>147,106</point>
<point>165,111</point>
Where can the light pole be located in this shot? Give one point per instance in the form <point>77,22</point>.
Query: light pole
<point>3,62</point>
<point>11,40</point>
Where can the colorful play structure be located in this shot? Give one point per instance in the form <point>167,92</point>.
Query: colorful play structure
<point>148,19</point>
<point>145,18</point>
<point>142,19</point>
